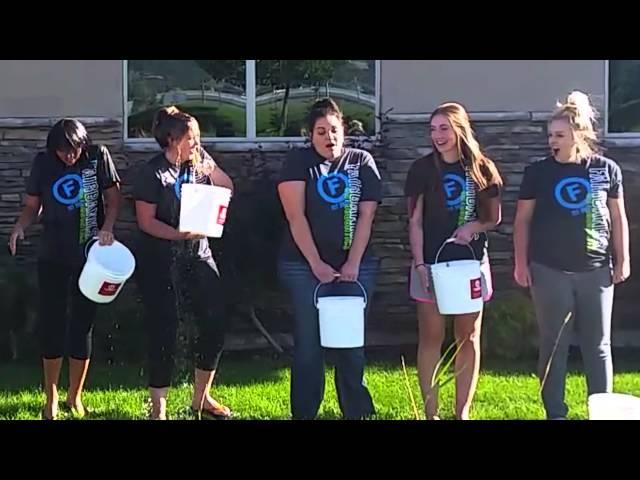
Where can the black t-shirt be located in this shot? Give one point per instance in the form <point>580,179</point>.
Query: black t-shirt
<point>334,190</point>
<point>72,203</point>
<point>158,182</point>
<point>461,195</point>
<point>571,225</point>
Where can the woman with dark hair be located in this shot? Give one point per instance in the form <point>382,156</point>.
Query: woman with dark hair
<point>176,270</point>
<point>76,186</point>
<point>329,194</point>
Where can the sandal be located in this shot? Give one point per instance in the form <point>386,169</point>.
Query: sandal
<point>219,412</point>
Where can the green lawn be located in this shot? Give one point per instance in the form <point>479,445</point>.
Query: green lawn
<point>258,388</point>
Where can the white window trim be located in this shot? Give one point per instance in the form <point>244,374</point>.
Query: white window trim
<point>607,134</point>
<point>250,115</point>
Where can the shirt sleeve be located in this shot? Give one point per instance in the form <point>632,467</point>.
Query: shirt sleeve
<point>615,188</point>
<point>146,185</point>
<point>294,168</point>
<point>528,187</point>
<point>107,172</point>
<point>371,181</point>
<point>34,184</point>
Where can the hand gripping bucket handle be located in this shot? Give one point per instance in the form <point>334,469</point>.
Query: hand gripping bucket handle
<point>451,240</point>
<point>315,293</point>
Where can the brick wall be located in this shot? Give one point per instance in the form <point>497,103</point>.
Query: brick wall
<point>512,139</point>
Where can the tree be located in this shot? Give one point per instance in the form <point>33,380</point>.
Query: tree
<point>286,74</point>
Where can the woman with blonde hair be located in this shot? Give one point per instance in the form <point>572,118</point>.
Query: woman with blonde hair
<point>571,240</point>
<point>453,193</point>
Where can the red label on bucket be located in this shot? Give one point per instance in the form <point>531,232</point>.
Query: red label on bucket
<point>222,215</point>
<point>109,289</point>
<point>476,288</point>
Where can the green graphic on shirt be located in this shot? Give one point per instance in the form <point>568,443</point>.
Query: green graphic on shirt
<point>83,216</point>
<point>347,236</point>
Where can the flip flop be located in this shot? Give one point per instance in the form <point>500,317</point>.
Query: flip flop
<point>219,413</point>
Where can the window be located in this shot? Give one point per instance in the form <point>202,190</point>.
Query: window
<point>623,104</point>
<point>252,100</point>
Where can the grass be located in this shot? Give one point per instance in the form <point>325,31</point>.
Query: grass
<point>258,388</point>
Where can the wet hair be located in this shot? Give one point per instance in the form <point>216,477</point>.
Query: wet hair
<point>66,135</point>
<point>578,112</point>
<point>321,109</point>
<point>169,124</point>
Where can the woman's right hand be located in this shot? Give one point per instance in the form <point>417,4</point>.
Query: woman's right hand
<point>190,236</point>
<point>17,233</point>
<point>522,275</point>
<point>324,272</point>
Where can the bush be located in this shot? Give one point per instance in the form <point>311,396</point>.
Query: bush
<point>509,328</point>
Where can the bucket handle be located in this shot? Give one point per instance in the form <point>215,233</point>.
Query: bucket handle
<point>90,243</point>
<point>451,240</point>
<point>315,293</point>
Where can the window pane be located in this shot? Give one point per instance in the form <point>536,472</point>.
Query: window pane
<point>211,90</point>
<point>624,96</point>
<point>286,89</point>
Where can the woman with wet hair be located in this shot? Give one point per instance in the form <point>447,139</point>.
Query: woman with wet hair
<point>177,272</point>
<point>75,188</point>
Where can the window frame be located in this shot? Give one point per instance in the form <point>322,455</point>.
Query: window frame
<point>250,112</point>
<point>607,133</point>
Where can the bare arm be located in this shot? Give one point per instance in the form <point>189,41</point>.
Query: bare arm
<point>366,213</point>
<point>521,227</point>
<point>113,200</point>
<point>292,197</point>
<point>465,233</point>
<point>29,213</point>
<point>416,233</point>
<point>293,202</point>
<point>221,179</point>
<point>620,239</point>
<point>148,223</point>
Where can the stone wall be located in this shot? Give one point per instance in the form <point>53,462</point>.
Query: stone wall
<point>512,139</point>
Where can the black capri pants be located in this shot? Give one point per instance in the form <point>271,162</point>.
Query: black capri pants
<point>170,288</point>
<point>59,333</point>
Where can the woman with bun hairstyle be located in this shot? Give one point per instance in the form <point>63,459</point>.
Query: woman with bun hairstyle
<point>571,239</point>
<point>176,270</point>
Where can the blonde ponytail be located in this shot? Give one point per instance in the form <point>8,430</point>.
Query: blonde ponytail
<point>582,117</point>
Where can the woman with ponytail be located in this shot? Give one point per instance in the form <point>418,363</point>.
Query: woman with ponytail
<point>571,240</point>
<point>454,192</point>
<point>177,270</point>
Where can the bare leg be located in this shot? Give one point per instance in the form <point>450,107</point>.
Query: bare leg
<point>158,403</point>
<point>431,336</point>
<point>51,367</point>
<point>77,375</point>
<point>467,363</point>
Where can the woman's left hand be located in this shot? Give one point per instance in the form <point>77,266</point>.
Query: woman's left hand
<point>465,234</point>
<point>208,166</point>
<point>105,237</point>
<point>349,271</point>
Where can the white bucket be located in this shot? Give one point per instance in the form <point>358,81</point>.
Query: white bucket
<point>106,270</point>
<point>457,284</point>
<point>613,406</point>
<point>341,319</point>
<point>203,209</point>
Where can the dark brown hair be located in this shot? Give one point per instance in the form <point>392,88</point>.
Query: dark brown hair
<point>321,109</point>
<point>169,123</point>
